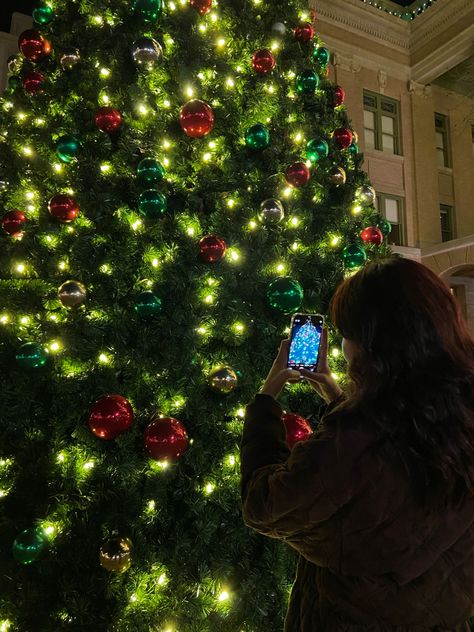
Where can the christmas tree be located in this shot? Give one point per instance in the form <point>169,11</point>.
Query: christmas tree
<point>305,345</point>
<point>175,182</point>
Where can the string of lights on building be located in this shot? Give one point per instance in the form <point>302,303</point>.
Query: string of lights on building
<point>417,8</point>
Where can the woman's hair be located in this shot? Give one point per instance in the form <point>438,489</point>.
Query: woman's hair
<point>413,378</point>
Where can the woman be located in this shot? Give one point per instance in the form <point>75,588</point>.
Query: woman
<point>379,502</point>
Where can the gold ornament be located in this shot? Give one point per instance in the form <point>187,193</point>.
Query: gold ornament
<point>72,294</point>
<point>116,554</point>
<point>338,176</point>
<point>223,379</point>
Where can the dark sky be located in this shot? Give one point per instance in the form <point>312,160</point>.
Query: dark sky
<point>7,7</point>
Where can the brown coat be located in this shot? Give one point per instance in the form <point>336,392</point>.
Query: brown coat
<point>370,560</point>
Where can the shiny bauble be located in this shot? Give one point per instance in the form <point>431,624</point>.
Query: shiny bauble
<point>257,136</point>
<point>116,555</point>
<point>33,82</point>
<point>166,439</point>
<point>321,56</point>
<point>385,226</point>
<point>223,379</point>
<point>339,96</point>
<point>14,64</point>
<point>29,545</point>
<point>304,32</point>
<point>354,148</point>
<point>272,211</point>
<point>72,294</point>
<point>201,6</point>
<point>338,176</point>
<point>297,174</point>
<point>317,149</point>
<point>31,355</point>
<point>372,235</point>
<point>108,119</point>
<point>152,204</point>
<point>33,45</point>
<point>43,14</point>
<point>150,171</point>
<point>366,195</point>
<point>343,137</point>
<point>110,416</point>
<point>263,61</point>
<point>285,294</point>
<point>13,223</point>
<point>353,256</point>
<point>212,248</point>
<point>307,82</point>
<point>67,148</point>
<point>69,57</point>
<point>196,118</point>
<point>147,10</point>
<point>63,208</point>
<point>147,305</point>
<point>279,29</point>
<point>297,428</point>
<point>147,53</point>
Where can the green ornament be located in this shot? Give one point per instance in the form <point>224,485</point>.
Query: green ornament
<point>29,545</point>
<point>257,136</point>
<point>31,355</point>
<point>43,14</point>
<point>285,294</point>
<point>321,56</point>
<point>14,82</point>
<point>67,147</point>
<point>385,226</point>
<point>152,204</point>
<point>354,148</point>
<point>317,148</point>
<point>307,82</point>
<point>147,10</point>
<point>147,305</point>
<point>150,171</point>
<point>354,256</point>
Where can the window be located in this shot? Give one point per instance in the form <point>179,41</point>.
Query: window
<point>442,140</point>
<point>391,207</point>
<point>472,136</point>
<point>382,123</point>
<point>447,222</point>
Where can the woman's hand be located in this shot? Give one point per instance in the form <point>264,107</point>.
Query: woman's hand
<point>280,374</point>
<point>321,379</point>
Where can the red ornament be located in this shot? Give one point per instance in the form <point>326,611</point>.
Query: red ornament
<point>212,248</point>
<point>339,96</point>
<point>372,235</point>
<point>63,208</point>
<point>166,439</point>
<point>297,174</point>
<point>12,223</point>
<point>108,119</point>
<point>201,6</point>
<point>343,137</point>
<point>297,428</point>
<point>110,416</point>
<point>304,32</point>
<point>196,118</point>
<point>263,61</point>
<point>33,45</point>
<point>33,82</point>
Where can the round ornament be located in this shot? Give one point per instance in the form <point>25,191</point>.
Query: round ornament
<point>152,204</point>
<point>304,32</point>
<point>14,63</point>
<point>13,82</point>
<point>108,119</point>
<point>31,355</point>
<point>72,294</point>
<point>385,226</point>
<point>13,222</point>
<point>279,29</point>
<point>212,248</point>
<point>263,61</point>
<point>223,379</point>
<point>29,545</point>
<point>147,305</point>
<point>147,10</point>
<point>43,14</point>
<point>69,57</point>
<point>354,148</point>
<point>63,208</point>
<point>372,235</point>
<point>33,45</point>
<point>297,174</point>
<point>297,428</point>
<point>307,82</point>
<point>343,137</point>
<point>257,136</point>
<point>196,118</point>
<point>146,53</point>
<point>338,176</point>
<point>321,56</point>
<point>33,82</point>
<point>353,256</point>
<point>201,6</point>
<point>116,555</point>
<point>150,171</point>
<point>285,294</point>
<point>67,148</point>
<point>110,416</point>
<point>272,211</point>
<point>317,149</point>
<point>366,195</point>
<point>339,96</point>
<point>166,439</point>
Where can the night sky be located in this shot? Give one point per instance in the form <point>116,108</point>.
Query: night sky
<point>7,7</point>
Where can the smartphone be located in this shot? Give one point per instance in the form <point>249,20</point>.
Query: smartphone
<point>305,338</point>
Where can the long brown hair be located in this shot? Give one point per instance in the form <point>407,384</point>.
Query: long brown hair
<point>413,378</point>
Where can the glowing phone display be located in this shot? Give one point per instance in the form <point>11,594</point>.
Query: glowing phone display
<point>305,339</point>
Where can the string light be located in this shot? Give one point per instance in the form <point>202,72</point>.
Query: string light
<point>104,72</point>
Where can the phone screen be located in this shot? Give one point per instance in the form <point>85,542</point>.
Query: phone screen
<point>305,339</point>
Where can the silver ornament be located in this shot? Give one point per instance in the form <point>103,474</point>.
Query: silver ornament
<point>223,379</point>
<point>69,57</point>
<point>271,211</point>
<point>14,63</point>
<point>146,52</point>
<point>338,176</point>
<point>366,195</point>
<point>278,28</point>
<point>72,294</point>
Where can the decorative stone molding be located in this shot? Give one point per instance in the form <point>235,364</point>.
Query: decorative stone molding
<point>346,62</point>
<point>440,16</point>
<point>420,90</point>
<point>382,79</point>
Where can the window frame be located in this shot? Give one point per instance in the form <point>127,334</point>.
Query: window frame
<point>378,111</point>
<point>443,129</point>
<point>381,199</point>
<point>472,138</point>
<point>449,210</point>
